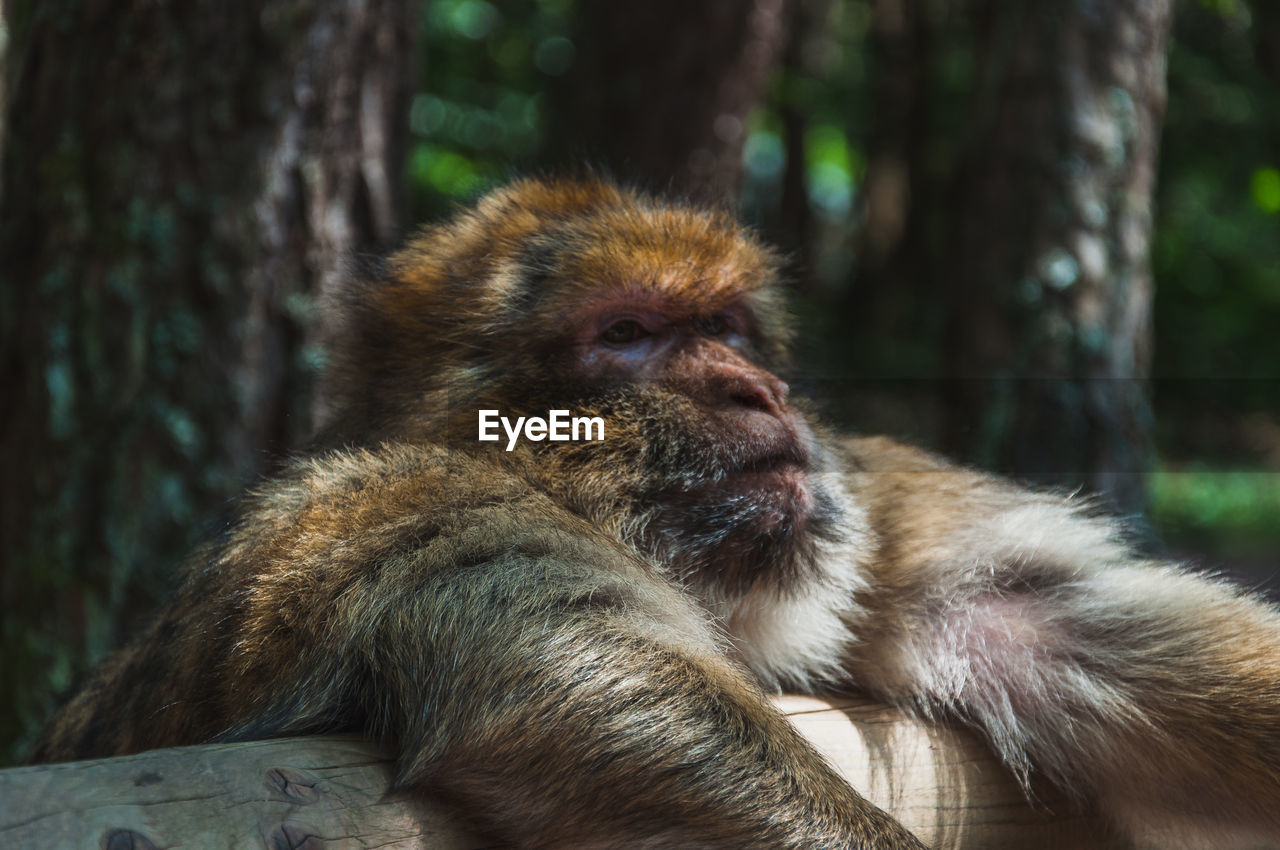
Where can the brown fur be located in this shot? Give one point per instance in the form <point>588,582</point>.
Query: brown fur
<point>534,631</point>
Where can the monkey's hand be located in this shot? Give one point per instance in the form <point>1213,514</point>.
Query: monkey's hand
<point>571,702</point>
<point>1150,691</point>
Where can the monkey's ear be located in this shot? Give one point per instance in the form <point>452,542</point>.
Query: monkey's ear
<point>359,345</point>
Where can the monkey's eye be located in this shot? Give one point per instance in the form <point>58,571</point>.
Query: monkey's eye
<point>624,331</point>
<point>713,325</point>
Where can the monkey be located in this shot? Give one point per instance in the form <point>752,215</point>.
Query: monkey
<point>573,640</point>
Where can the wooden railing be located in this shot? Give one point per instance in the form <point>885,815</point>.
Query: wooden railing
<point>331,792</point>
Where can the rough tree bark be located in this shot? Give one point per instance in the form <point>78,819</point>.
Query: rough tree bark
<point>179,182</point>
<point>1048,339</point>
<point>662,90</point>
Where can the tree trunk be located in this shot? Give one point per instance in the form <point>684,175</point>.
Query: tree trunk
<point>179,182</point>
<point>663,89</point>
<point>891,238</point>
<point>1049,328</point>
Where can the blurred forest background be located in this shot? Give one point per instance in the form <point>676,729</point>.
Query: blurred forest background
<point>1041,236</point>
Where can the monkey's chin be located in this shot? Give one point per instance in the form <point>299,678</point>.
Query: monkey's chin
<point>725,533</point>
<point>777,499</point>
<point>784,496</point>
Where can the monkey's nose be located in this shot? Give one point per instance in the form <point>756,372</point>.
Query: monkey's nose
<point>759,391</point>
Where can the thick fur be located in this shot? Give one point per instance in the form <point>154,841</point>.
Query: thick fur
<point>570,639</point>
<point>1150,690</point>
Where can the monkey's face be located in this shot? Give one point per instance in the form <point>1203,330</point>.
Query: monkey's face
<point>720,429</point>
<point>706,461</point>
<point>664,327</point>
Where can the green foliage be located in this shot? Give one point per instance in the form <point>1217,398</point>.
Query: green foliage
<point>1266,189</point>
<point>480,108</point>
<point>826,84</point>
<point>831,165</point>
<point>1236,511</point>
<point>1216,254</point>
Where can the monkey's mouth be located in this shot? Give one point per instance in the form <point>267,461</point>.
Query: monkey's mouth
<point>748,505</point>
<point>776,483</point>
<point>780,455</point>
<point>770,463</point>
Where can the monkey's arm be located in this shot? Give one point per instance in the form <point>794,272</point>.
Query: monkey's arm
<point>520,664</point>
<point>1152,691</point>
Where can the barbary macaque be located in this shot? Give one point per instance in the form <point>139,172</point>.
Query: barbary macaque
<point>571,638</point>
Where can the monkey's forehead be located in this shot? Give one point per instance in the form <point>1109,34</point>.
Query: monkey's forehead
<point>540,260</point>
<point>681,267</point>
<point>539,241</point>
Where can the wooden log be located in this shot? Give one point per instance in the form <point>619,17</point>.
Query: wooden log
<point>331,792</point>
<point>941,782</point>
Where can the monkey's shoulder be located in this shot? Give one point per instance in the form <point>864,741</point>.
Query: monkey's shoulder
<point>389,479</point>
